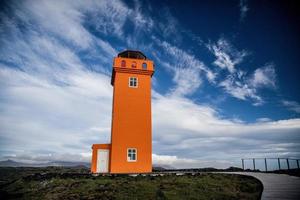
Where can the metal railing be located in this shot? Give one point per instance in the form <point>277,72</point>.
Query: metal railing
<point>266,163</point>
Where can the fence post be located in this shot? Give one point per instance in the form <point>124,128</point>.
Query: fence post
<point>279,163</point>
<point>266,166</point>
<point>254,164</point>
<point>298,163</point>
<point>243,164</point>
<point>288,164</point>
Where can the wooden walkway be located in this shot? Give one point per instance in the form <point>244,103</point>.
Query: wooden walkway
<point>277,186</point>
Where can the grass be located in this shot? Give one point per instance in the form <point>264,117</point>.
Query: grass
<point>72,183</point>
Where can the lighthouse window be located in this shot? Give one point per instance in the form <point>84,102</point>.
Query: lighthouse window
<point>133,65</point>
<point>131,154</point>
<point>144,65</point>
<point>133,82</point>
<point>123,63</point>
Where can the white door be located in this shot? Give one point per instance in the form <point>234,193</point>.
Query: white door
<point>102,160</point>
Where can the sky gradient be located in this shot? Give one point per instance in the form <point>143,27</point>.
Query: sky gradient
<point>226,84</point>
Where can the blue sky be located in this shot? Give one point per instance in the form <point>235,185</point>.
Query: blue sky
<point>226,84</point>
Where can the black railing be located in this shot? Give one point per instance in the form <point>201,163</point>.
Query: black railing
<point>266,163</point>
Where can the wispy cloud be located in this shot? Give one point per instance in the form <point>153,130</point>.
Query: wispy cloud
<point>169,26</point>
<point>60,18</point>
<point>263,119</point>
<point>238,83</point>
<point>227,57</point>
<point>188,70</point>
<point>108,17</point>
<point>141,21</point>
<point>244,8</point>
<point>292,105</point>
<point>264,77</point>
<point>243,87</point>
<point>240,90</point>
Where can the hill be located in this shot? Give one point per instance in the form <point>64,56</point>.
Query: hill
<point>12,163</point>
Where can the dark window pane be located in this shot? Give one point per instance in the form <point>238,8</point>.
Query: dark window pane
<point>123,63</point>
<point>144,65</point>
<point>133,65</point>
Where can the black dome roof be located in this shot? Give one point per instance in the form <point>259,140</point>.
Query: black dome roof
<point>132,54</point>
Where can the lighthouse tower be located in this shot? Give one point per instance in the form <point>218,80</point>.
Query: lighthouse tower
<point>130,150</point>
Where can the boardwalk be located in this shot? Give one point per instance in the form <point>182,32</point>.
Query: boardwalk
<point>277,186</point>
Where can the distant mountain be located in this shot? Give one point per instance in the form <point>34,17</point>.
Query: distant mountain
<point>12,163</point>
<point>162,167</point>
<point>69,164</point>
<point>234,169</point>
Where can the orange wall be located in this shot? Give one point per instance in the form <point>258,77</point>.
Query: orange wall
<point>131,119</point>
<point>95,148</point>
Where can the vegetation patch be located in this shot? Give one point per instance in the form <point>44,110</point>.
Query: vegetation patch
<point>77,183</point>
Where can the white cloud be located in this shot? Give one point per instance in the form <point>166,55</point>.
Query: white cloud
<point>37,110</point>
<point>197,132</point>
<point>244,87</point>
<point>240,90</point>
<point>171,161</point>
<point>238,83</point>
<point>227,57</point>
<point>187,69</point>
<point>201,120</point>
<point>58,17</point>
<point>263,119</point>
<point>264,77</point>
<point>68,20</point>
<point>292,105</point>
<point>165,160</point>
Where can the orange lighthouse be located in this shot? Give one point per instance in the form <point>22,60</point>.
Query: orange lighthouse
<point>130,150</point>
